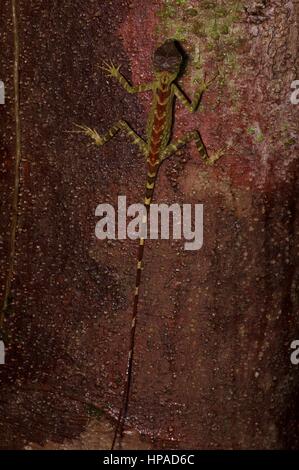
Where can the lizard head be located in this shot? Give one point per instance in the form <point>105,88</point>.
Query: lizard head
<point>167,61</point>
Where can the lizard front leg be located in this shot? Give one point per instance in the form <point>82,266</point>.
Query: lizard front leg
<point>193,105</point>
<point>192,135</point>
<point>101,139</point>
<point>113,71</point>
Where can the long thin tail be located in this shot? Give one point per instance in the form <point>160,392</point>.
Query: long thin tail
<point>150,184</point>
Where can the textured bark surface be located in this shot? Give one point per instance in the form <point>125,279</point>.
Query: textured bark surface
<point>212,367</point>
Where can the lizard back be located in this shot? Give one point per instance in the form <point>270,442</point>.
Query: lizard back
<point>159,123</point>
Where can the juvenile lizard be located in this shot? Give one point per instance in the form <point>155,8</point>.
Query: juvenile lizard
<point>167,62</point>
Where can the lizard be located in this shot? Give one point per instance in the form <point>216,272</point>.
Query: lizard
<point>167,62</point>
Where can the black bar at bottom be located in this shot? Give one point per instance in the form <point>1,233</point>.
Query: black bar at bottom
<point>138,459</point>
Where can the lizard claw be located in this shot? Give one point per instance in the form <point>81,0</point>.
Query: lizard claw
<point>208,83</point>
<point>204,85</point>
<point>110,69</point>
<point>92,133</point>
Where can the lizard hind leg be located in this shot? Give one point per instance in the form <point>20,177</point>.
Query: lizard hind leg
<point>101,139</point>
<point>192,136</point>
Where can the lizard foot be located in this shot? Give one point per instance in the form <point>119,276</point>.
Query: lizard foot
<point>215,156</point>
<point>92,133</point>
<point>110,69</point>
<point>203,84</point>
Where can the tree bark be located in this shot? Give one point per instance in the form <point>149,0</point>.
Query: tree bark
<point>212,362</point>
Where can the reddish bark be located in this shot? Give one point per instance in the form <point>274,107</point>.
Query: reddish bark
<point>212,367</point>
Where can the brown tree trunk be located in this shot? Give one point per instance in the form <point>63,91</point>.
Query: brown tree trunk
<point>212,363</point>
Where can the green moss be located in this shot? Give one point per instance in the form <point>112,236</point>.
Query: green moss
<point>208,4</point>
<point>211,33</point>
<point>93,411</point>
<point>251,130</point>
<point>191,12</point>
<point>224,29</point>
<point>221,11</point>
<point>258,135</point>
<point>179,34</point>
<point>168,10</point>
<point>198,29</point>
<point>259,138</point>
<point>289,142</point>
<point>287,135</point>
